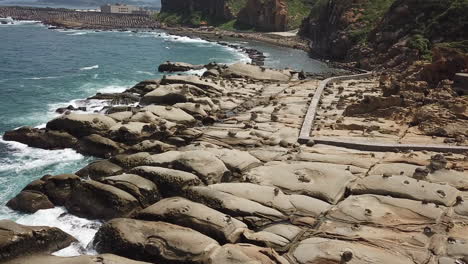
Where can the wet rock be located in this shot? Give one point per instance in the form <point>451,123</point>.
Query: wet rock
<point>30,202</point>
<point>202,163</point>
<point>41,138</point>
<point>99,169</point>
<point>62,110</point>
<point>96,200</point>
<point>117,98</point>
<point>60,187</point>
<point>406,187</point>
<point>80,125</point>
<point>153,241</point>
<point>99,146</point>
<point>178,67</point>
<point>183,212</point>
<point>170,182</point>
<point>144,87</point>
<point>19,240</point>
<point>144,190</point>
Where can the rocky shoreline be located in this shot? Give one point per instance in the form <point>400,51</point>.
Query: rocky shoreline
<point>209,170</point>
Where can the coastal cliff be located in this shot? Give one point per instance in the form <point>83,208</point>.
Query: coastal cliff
<point>217,9</point>
<point>271,15</point>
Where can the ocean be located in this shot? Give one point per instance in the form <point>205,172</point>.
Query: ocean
<point>43,69</point>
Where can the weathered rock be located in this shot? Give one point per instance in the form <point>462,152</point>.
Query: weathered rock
<point>322,250</point>
<point>117,98</point>
<point>170,182</point>
<point>19,240</point>
<point>99,146</point>
<point>202,163</point>
<point>319,180</point>
<point>169,66</point>
<point>144,87</point>
<point>96,200</point>
<point>170,113</point>
<point>153,241</point>
<point>409,188</point>
<point>167,95</point>
<point>235,160</point>
<point>210,88</point>
<point>245,253</point>
<point>81,125</point>
<point>99,259</point>
<point>144,190</point>
<point>30,202</point>
<point>130,160</point>
<point>180,211</point>
<point>60,187</point>
<point>41,138</point>
<point>150,145</point>
<point>100,168</point>
<point>386,211</point>
<point>241,70</point>
<point>249,211</point>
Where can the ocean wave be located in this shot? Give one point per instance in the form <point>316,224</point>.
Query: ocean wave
<point>13,22</point>
<point>23,158</point>
<point>42,78</point>
<point>182,39</point>
<point>80,228</point>
<point>89,68</point>
<point>79,33</point>
<point>145,72</point>
<point>196,72</point>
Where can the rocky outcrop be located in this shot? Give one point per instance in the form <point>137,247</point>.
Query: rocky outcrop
<point>169,66</point>
<point>99,259</point>
<point>19,240</point>
<point>216,9</point>
<point>269,15</point>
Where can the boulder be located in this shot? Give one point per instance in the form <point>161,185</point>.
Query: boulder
<point>130,160</point>
<point>60,187</point>
<point>319,180</point>
<point>206,85</point>
<point>204,164</point>
<point>194,109</point>
<point>41,138</point>
<point>117,98</point>
<point>242,70</point>
<point>151,145</point>
<point>235,160</point>
<point>100,168</point>
<point>384,211</point>
<point>99,259</point>
<point>95,200</point>
<point>170,182</point>
<point>406,187</point>
<point>323,250</point>
<point>144,87</point>
<point>169,66</point>
<point>144,190</point>
<point>99,146</point>
<point>153,241</point>
<point>180,211</point>
<point>245,253</point>
<point>80,125</point>
<point>167,95</point>
<point>19,240</point>
<point>248,211</point>
<point>171,114</point>
<point>30,202</point>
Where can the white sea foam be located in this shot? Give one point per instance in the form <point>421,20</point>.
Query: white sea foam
<point>42,78</point>
<point>145,72</point>
<point>25,158</point>
<point>89,68</point>
<point>82,229</point>
<point>79,33</point>
<point>196,72</point>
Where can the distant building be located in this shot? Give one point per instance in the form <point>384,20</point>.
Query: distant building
<point>124,9</point>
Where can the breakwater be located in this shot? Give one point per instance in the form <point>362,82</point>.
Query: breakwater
<point>67,18</point>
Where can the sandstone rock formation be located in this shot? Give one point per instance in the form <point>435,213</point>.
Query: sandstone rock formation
<point>269,15</point>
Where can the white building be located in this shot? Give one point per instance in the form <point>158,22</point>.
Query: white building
<point>124,9</point>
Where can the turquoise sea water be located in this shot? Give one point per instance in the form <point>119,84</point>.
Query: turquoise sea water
<point>43,69</point>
